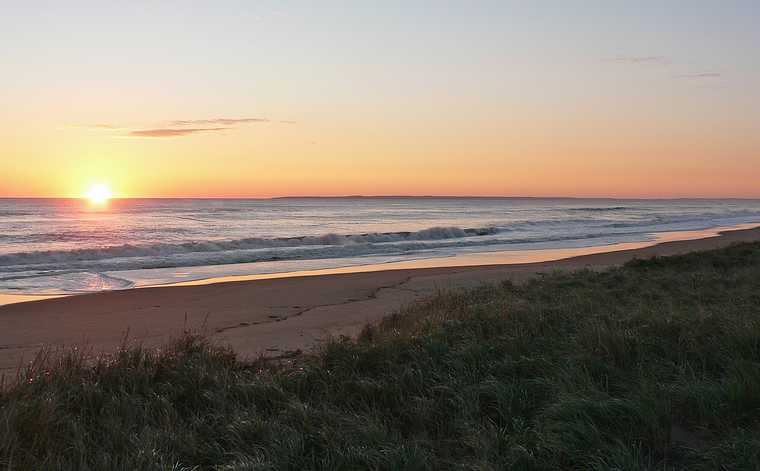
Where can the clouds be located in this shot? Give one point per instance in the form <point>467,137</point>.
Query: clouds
<point>100,126</point>
<point>218,121</point>
<point>643,60</point>
<point>168,132</point>
<point>180,127</point>
<point>701,75</point>
<point>663,61</point>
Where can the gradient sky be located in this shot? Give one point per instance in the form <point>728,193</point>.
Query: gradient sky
<point>585,98</point>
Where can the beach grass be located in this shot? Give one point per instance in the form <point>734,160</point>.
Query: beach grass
<point>652,365</point>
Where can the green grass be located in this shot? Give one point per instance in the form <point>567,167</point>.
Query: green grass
<point>654,365</point>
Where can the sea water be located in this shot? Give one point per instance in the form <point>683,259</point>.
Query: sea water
<point>70,246</point>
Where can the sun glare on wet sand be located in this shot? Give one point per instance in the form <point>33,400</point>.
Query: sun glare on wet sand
<point>98,194</point>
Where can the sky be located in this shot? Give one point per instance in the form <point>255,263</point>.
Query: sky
<point>274,98</point>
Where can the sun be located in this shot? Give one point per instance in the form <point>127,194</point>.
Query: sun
<point>98,194</point>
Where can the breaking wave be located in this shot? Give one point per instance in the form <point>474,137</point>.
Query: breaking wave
<point>329,242</point>
<point>604,209</point>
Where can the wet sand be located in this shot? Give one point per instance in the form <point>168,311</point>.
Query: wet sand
<point>274,315</point>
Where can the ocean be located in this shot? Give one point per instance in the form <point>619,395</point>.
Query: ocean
<point>59,246</point>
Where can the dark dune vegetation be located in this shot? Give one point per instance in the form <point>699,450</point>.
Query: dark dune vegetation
<point>653,365</point>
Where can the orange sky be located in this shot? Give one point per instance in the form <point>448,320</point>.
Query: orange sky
<point>490,98</point>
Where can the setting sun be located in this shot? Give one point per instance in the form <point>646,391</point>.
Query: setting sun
<point>98,193</point>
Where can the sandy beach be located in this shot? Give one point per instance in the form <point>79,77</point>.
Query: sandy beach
<point>271,316</point>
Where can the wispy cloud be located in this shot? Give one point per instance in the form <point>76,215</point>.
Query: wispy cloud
<point>177,128</point>
<point>643,60</point>
<point>93,126</point>
<point>217,121</point>
<point>169,132</point>
<point>666,62</point>
<point>700,75</point>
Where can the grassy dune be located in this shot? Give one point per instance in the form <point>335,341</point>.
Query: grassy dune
<point>654,365</point>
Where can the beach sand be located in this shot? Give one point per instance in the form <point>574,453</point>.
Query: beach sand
<point>271,316</point>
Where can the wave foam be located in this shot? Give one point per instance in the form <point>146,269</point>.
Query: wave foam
<point>253,243</point>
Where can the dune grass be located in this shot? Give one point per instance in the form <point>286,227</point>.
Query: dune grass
<point>654,365</point>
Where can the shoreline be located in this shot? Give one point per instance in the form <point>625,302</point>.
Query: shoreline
<point>477,259</point>
<point>274,316</point>
<point>464,259</point>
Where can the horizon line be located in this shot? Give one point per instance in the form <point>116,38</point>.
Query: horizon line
<point>265,198</point>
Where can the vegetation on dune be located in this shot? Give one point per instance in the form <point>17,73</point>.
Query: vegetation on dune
<point>654,365</point>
